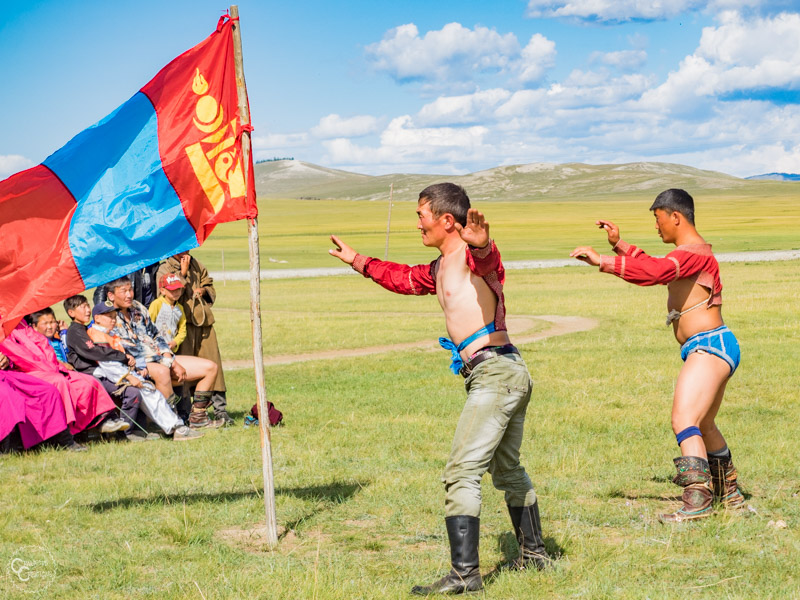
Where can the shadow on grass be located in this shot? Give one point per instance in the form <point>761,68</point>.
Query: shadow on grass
<point>629,495</point>
<point>507,544</point>
<point>336,492</point>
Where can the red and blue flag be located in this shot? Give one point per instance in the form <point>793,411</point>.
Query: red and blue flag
<point>150,180</point>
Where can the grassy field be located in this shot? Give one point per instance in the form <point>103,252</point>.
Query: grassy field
<point>294,233</point>
<point>358,461</point>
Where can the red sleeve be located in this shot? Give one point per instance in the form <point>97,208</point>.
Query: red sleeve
<point>400,279</point>
<point>642,269</point>
<point>483,261</point>
<point>623,248</point>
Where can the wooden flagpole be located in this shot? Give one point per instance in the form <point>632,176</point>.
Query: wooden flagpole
<point>255,296</point>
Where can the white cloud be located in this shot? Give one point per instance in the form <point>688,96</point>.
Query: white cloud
<point>620,11</point>
<point>709,112</point>
<point>455,52</point>
<point>625,60</point>
<point>611,10</point>
<point>333,126</point>
<point>13,163</point>
<point>736,56</point>
<point>538,56</point>
<point>404,145</point>
<point>469,108</point>
<point>279,140</point>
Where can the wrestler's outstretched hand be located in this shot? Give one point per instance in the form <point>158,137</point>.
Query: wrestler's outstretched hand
<point>476,231</point>
<point>343,252</point>
<point>587,254</point>
<point>611,229</point>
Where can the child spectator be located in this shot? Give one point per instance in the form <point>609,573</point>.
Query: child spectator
<point>83,355</point>
<point>44,321</point>
<point>154,405</point>
<point>201,338</point>
<point>166,311</point>
<point>86,403</point>
<point>93,350</point>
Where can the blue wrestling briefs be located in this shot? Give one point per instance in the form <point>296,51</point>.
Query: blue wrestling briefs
<point>719,342</point>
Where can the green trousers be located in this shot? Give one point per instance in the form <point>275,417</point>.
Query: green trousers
<point>488,437</point>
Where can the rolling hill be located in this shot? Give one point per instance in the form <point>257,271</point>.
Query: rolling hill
<point>536,181</point>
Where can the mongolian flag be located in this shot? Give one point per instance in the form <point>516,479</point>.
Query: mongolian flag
<point>150,180</point>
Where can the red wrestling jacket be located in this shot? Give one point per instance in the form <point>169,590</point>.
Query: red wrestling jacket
<point>689,261</point>
<point>421,279</point>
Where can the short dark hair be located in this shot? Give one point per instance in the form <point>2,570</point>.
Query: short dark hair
<point>675,200</point>
<point>74,302</point>
<point>444,198</point>
<point>112,285</point>
<point>34,317</point>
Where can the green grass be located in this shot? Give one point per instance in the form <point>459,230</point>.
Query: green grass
<point>357,464</point>
<point>297,231</point>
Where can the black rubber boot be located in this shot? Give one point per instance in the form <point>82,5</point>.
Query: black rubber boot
<point>528,531</point>
<point>465,576</point>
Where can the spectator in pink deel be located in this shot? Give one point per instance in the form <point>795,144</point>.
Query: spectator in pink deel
<point>34,408</point>
<point>86,403</point>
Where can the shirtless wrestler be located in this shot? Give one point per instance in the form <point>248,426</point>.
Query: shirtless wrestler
<point>709,349</point>
<point>468,279</point>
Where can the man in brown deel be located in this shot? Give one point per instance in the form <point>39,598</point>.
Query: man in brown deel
<point>201,338</point>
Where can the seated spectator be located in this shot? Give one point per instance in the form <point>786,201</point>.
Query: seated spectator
<point>143,282</point>
<point>153,403</point>
<point>31,413</point>
<point>83,355</point>
<point>198,295</point>
<point>86,403</point>
<point>44,321</point>
<point>141,338</point>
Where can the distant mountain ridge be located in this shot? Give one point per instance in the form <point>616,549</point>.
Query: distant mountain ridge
<point>535,181</point>
<point>775,177</point>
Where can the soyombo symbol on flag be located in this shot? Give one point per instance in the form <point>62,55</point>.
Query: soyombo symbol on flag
<point>150,180</point>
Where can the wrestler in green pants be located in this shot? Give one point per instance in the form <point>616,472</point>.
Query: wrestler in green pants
<point>488,437</point>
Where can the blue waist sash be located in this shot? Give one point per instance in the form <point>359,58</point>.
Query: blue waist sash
<point>456,364</point>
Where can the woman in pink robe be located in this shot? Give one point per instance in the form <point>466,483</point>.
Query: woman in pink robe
<point>33,405</point>
<point>85,401</point>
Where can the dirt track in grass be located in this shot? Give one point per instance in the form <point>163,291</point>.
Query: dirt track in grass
<point>517,328</point>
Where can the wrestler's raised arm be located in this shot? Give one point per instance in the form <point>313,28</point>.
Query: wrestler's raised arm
<point>395,277</point>
<point>343,252</point>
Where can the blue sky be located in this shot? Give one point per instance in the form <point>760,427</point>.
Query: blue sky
<point>438,87</point>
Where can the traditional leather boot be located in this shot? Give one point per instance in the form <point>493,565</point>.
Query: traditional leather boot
<point>694,476</point>
<point>724,478</point>
<point>465,576</point>
<point>528,531</point>
<point>198,418</point>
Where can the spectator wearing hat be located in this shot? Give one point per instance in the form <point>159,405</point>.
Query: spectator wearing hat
<point>201,339</point>
<point>84,355</point>
<point>170,319</point>
<point>167,312</point>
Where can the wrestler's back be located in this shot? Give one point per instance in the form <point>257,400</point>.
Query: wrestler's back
<point>684,294</point>
<point>468,303</point>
